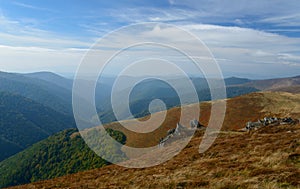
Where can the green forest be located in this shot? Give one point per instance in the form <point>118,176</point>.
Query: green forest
<point>60,154</point>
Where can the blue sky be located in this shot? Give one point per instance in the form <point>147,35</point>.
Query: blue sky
<point>54,35</point>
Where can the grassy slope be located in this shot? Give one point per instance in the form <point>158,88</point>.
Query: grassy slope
<point>272,84</point>
<point>240,110</point>
<point>265,158</point>
<point>268,158</point>
<point>292,89</point>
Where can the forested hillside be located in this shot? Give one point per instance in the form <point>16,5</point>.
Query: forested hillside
<point>24,122</point>
<point>61,154</point>
<point>41,91</point>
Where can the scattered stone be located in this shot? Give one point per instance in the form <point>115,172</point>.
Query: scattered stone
<point>180,130</point>
<point>196,124</point>
<point>270,121</point>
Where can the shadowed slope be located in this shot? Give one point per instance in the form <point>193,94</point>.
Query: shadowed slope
<point>24,122</point>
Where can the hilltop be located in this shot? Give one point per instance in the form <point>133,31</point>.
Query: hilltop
<point>265,158</point>
<point>273,84</point>
<point>239,110</point>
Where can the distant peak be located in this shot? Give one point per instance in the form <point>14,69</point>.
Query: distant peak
<point>44,73</point>
<point>234,77</point>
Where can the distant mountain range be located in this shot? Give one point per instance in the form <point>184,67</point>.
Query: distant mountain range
<point>52,78</point>
<point>150,89</point>
<point>41,91</point>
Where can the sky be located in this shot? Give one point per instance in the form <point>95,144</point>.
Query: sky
<point>254,39</point>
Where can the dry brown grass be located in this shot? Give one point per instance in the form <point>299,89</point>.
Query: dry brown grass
<point>239,111</point>
<point>290,89</point>
<point>266,158</point>
<point>280,84</point>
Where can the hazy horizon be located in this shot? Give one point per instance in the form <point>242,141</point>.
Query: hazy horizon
<point>256,40</point>
<point>71,75</point>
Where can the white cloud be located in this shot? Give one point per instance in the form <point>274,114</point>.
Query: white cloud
<point>30,59</point>
<point>29,6</point>
<point>292,19</point>
<point>248,47</point>
<point>150,14</point>
<point>15,33</point>
<point>26,49</point>
<point>237,49</point>
<point>240,12</point>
